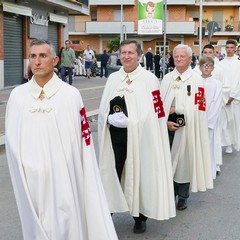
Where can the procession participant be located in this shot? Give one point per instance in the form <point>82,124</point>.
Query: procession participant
<point>135,163</point>
<point>213,92</point>
<point>51,157</point>
<point>184,102</point>
<point>227,71</point>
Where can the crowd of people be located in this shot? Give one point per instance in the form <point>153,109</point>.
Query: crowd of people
<point>158,140</point>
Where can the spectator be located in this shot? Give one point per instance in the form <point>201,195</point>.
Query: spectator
<point>157,64</point>
<point>104,62</point>
<point>149,59</point>
<point>113,59</point>
<point>94,68</point>
<point>67,62</point>
<point>88,58</point>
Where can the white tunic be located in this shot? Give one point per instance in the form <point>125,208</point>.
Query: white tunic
<point>53,165</point>
<point>227,71</point>
<point>213,90</point>
<point>190,149</point>
<point>147,183</point>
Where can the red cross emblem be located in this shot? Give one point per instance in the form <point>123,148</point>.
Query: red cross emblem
<point>86,132</point>
<point>157,103</point>
<point>200,99</point>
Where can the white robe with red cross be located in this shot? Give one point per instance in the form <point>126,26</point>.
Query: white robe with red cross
<point>53,166</point>
<point>190,150</point>
<point>147,183</point>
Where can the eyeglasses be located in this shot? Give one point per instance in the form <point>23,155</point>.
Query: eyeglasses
<point>207,65</point>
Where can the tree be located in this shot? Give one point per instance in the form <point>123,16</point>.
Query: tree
<point>113,45</point>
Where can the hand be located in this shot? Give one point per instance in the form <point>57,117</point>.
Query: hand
<point>172,126</point>
<point>230,99</point>
<point>172,110</point>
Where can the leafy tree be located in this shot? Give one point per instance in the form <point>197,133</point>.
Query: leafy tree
<point>113,45</point>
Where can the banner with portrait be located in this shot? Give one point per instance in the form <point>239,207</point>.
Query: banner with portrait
<point>150,17</point>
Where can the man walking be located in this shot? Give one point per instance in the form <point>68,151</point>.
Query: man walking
<point>88,55</point>
<point>227,71</point>
<point>184,102</point>
<point>135,162</point>
<point>51,157</point>
<point>67,62</point>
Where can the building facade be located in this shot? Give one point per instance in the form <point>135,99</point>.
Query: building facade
<point>21,21</point>
<point>111,18</point>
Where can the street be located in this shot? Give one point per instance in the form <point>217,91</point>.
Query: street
<point>211,215</point>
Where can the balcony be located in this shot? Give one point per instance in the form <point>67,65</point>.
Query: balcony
<point>180,27</point>
<point>219,2</point>
<point>111,2</point>
<point>225,28</point>
<point>181,2</point>
<point>108,27</point>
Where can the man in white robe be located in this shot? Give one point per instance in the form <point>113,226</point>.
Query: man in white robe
<point>213,91</point>
<point>227,71</point>
<point>52,159</point>
<point>183,93</point>
<point>133,141</point>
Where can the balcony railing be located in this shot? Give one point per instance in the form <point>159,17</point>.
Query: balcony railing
<point>223,26</point>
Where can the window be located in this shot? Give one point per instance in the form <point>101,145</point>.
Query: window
<point>75,42</point>
<point>93,16</point>
<point>117,15</point>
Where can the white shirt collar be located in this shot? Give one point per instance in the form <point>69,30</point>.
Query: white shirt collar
<point>132,75</point>
<point>184,76</point>
<point>49,89</point>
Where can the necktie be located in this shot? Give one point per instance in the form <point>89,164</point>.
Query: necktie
<point>42,95</point>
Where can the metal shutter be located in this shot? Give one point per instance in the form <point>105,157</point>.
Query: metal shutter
<point>13,49</point>
<point>53,34</point>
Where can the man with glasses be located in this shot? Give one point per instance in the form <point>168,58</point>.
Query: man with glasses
<point>213,90</point>
<point>227,71</point>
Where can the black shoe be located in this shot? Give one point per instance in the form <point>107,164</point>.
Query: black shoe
<point>182,204</point>
<point>139,227</point>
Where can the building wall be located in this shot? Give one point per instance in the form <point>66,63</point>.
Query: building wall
<point>176,13</point>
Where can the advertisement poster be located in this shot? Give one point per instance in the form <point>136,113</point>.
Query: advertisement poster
<point>150,16</point>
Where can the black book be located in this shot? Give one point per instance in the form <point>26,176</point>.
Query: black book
<point>177,118</point>
<point>118,104</point>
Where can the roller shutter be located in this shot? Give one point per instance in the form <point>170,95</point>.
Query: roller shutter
<point>13,49</point>
<point>53,34</point>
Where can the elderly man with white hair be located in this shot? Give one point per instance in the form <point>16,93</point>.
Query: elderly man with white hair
<point>184,102</point>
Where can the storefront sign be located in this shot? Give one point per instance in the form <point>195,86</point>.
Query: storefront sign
<point>38,20</point>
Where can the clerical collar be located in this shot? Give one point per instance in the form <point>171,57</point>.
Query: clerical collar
<point>49,89</point>
<point>184,76</point>
<point>132,75</point>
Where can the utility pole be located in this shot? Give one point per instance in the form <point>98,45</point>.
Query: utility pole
<point>164,36</point>
<point>200,29</point>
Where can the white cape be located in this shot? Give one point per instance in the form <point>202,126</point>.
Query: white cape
<point>190,149</point>
<point>147,184</point>
<point>213,89</point>
<point>227,72</point>
<point>53,165</point>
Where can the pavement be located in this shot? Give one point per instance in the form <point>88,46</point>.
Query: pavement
<point>211,215</point>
